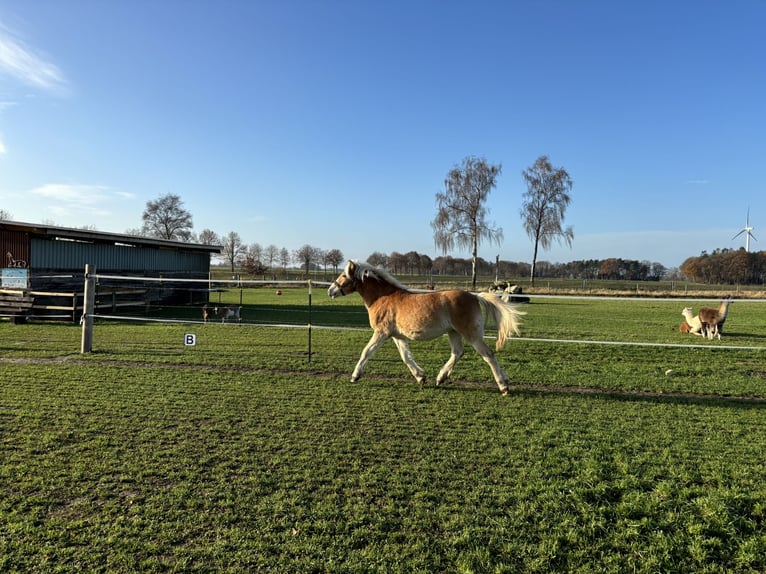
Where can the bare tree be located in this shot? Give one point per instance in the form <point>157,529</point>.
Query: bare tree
<point>396,262</point>
<point>284,259</point>
<point>209,237</point>
<point>425,264</point>
<point>166,218</point>
<point>413,262</point>
<point>321,255</point>
<point>5,215</point>
<point>378,259</point>
<point>306,257</point>
<point>270,255</point>
<point>256,251</point>
<point>334,257</point>
<point>544,204</point>
<point>461,214</point>
<point>233,249</point>
<point>254,260</point>
<point>254,266</point>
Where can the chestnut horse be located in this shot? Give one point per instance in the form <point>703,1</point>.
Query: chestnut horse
<point>399,313</point>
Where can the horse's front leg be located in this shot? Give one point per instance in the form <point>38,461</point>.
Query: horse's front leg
<point>409,360</point>
<point>456,344</point>
<point>375,341</point>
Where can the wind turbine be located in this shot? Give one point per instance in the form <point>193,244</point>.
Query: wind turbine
<point>746,230</point>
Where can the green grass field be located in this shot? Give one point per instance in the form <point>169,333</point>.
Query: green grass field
<point>240,454</point>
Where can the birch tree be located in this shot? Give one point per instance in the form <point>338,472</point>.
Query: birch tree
<point>544,205</point>
<point>461,217</point>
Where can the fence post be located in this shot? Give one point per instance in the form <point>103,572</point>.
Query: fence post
<point>88,307</point>
<point>309,320</point>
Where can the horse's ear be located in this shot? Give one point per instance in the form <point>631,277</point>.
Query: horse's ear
<point>351,268</point>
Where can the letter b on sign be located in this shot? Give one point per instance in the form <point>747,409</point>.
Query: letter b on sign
<point>190,339</point>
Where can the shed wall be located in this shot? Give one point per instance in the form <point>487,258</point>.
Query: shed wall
<point>15,248</point>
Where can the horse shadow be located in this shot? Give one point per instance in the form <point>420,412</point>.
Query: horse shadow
<point>617,395</point>
<point>649,397</point>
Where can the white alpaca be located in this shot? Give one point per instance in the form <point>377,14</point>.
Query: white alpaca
<point>695,325</point>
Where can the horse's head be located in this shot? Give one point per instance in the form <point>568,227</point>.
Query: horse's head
<point>345,283</point>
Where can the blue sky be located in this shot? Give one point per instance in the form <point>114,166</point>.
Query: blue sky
<point>334,123</point>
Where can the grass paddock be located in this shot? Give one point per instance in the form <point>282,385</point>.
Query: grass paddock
<point>240,454</point>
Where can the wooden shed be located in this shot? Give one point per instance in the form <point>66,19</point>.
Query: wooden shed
<point>44,266</point>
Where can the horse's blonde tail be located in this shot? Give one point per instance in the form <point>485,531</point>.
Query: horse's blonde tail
<point>507,317</point>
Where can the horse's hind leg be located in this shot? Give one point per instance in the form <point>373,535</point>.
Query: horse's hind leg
<point>375,341</point>
<point>409,360</point>
<point>501,378</point>
<point>456,344</point>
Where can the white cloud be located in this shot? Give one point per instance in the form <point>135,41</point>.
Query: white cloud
<point>73,195</point>
<point>78,202</point>
<point>73,205</point>
<point>22,63</point>
<point>3,149</point>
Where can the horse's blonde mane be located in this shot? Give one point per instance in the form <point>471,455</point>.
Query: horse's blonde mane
<point>365,270</point>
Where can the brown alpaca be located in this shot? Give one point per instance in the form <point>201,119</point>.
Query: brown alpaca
<point>713,319</point>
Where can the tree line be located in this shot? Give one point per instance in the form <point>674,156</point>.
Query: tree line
<point>731,266</point>
<point>166,218</point>
<point>414,263</point>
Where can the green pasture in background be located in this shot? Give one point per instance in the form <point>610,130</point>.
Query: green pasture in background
<point>239,454</point>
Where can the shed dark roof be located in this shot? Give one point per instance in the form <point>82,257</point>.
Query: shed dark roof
<point>68,233</point>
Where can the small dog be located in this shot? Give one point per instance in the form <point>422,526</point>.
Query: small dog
<point>231,312</point>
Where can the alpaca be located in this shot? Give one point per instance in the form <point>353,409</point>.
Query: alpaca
<point>712,320</point>
<point>684,327</point>
<point>695,325</point>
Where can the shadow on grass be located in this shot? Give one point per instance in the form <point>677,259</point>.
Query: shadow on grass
<point>647,396</point>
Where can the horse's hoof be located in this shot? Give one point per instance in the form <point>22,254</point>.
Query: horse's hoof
<point>504,392</point>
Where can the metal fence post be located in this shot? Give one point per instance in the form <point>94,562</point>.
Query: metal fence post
<point>309,355</point>
<point>89,304</point>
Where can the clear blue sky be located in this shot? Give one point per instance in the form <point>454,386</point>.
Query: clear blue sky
<point>334,123</point>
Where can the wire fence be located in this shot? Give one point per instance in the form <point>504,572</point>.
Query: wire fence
<point>259,303</point>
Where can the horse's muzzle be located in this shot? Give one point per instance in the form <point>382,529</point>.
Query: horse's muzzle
<point>334,290</point>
